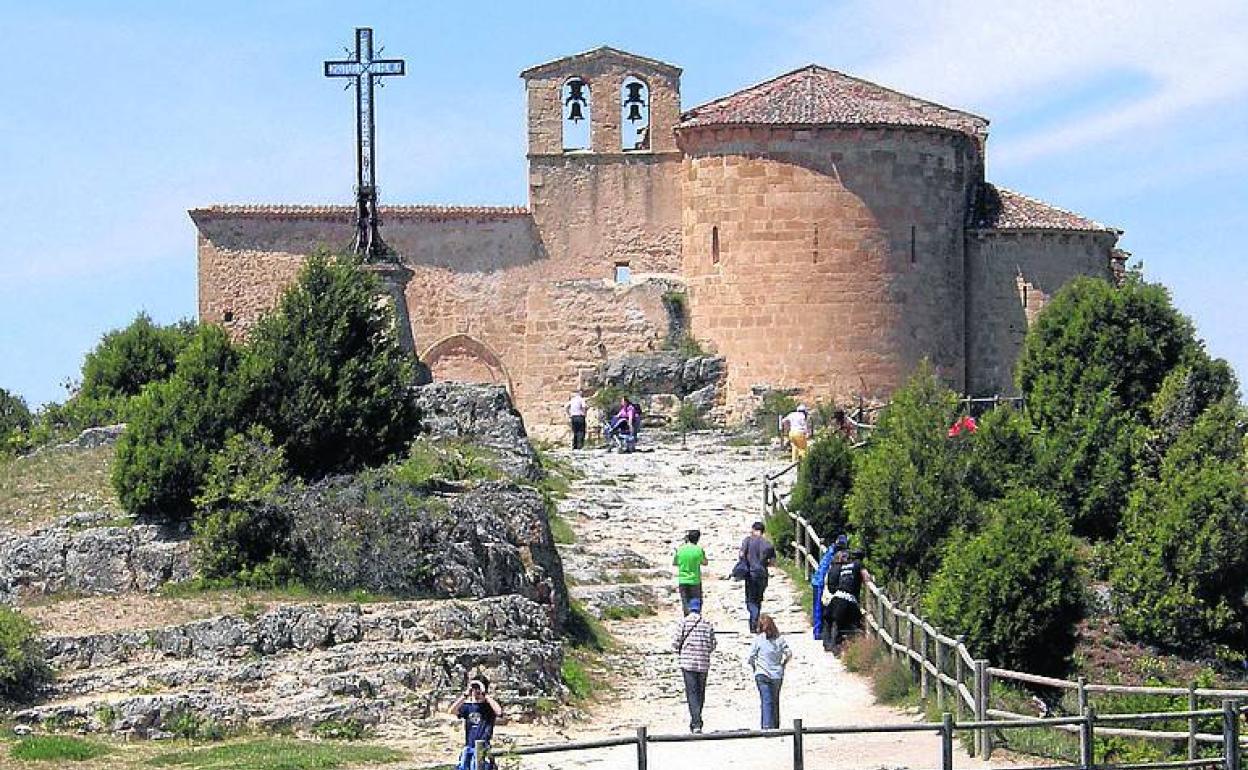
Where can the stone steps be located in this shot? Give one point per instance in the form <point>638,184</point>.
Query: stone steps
<point>296,667</point>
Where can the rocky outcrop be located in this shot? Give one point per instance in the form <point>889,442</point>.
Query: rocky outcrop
<point>483,415</point>
<point>388,666</point>
<point>76,556</point>
<point>494,539</point>
<point>663,379</point>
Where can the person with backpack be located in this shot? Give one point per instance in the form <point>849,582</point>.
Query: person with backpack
<point>693,643</point>
<point>818,580</point>
<point>842,592</point>
<point>758,554</point>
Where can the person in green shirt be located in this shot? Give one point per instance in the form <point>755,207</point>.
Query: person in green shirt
<point>689,561</point>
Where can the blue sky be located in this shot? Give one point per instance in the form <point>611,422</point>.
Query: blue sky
<point>129,113</point>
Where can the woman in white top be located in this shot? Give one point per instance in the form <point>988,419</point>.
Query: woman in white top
<point>768,657</point>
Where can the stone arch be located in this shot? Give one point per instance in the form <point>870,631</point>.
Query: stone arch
<point>461,358</point>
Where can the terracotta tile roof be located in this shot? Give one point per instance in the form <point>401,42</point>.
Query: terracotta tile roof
<point>999,209</point>
<point>815,95</point>
<point>337,212</point>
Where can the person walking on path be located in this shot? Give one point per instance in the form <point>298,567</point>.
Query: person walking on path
<point>819,579</point>
<point>577,409</point>
<point>689,561</point>
<point>768,657</point>
<point>758,554</point>
<point>480,713</point>
<point>694,642</point>
<point>796,426</point>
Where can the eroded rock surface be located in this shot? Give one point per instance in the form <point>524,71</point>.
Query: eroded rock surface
<point>484,415</point>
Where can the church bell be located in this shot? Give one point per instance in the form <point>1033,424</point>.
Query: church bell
<point>576,100</point>
<point>633,101</point>
<point>575,113</point>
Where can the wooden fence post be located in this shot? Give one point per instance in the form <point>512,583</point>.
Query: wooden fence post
<point>1082,694</point>
<point>642,760</point>
<point>981,707</point>
<point>946,741</point>
<point>940,672</point>
<point>923,688</point>
<point>1192,703</point>
<point>478,755</point>
<point>799,757</point>
<point>1230,734</point>
<point>805,550</point>
<point>959,674</point>
<point>1087,739</point>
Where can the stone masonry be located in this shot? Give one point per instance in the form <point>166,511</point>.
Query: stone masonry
<point>828,233</point>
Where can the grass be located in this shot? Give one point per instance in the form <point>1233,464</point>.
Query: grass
<point>36,490</point>
<point>58,748</point>
<point>576,677</point>
<point>584,631</point>
<point>560,529</point>
<point>291,592</point>
<point>626,613</point>
<point>275,754</point>
<point>805,592</point>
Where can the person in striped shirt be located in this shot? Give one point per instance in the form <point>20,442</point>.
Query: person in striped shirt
<point>694,642</point>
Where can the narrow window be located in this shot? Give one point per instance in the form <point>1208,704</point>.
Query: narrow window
<point>715,245</point>
<point>815,251</point>
<point>634,114</point>
<point>1024,295</point>
<point>913,237</point>
<point>576,107</point>
<point>622,273</point>
<point>229,316</point>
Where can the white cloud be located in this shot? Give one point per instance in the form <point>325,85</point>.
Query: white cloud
<point>978,55</point>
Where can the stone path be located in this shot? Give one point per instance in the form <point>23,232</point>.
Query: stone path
<point>642,503</point>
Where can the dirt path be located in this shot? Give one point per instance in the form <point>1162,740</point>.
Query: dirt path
<point>642,503</point>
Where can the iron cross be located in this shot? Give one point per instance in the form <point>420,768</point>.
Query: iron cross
<point>364,69</point>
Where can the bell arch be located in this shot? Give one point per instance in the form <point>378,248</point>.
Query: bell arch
<point>634,114</point>
<point>576,101</point>
<point>461,358</point>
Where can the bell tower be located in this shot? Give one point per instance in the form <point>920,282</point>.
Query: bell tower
<point>604,183</point>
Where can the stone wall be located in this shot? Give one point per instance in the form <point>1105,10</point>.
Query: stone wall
<point>828,260</point>
<point>1010,277</point>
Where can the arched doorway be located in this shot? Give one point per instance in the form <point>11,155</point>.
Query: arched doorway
<point>460,358</point>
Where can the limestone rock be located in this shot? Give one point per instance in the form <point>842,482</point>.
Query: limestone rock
<point>483,414</point>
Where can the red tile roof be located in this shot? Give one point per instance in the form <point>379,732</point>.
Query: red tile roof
<point>815,95</point>
<point>340,212</point>
<point>999,209</point>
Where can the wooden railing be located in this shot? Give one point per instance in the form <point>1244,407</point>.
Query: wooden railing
<point>947,671</point>
<point>1088,726</point>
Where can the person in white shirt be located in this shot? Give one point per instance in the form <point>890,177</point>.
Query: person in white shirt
<point>577,407</point>
<point>796,425</point>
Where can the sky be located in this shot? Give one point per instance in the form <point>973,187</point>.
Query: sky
<point>1131,112</point>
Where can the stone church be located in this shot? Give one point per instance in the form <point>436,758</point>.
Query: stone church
<point>826,233</point>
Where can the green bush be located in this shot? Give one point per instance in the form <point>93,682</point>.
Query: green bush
<point>1013,587</point>
<point>908,492</point>
<point>22,665</point>
<point>326,374</point>
<point>824,478</point>
<point>607,399</point>
<point>123,363</point>
<point>1180,559</point>
<point>240,530</point>
<point>774,406</point>
<point>1183,396</point>
<point>1002,453</point>
<point>1087,462</point>
<point>429,462</point>
<point>176,426</point>
<point>14,414</point>
<point>1093,336</point>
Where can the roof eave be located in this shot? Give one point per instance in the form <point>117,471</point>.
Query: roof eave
<point>603,50</point>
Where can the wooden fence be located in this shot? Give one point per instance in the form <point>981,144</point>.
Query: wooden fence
<point>948,672</point>
<point>1088,726</point>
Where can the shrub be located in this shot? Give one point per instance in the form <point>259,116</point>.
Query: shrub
<point>1002,453</point>
<point>607,399</point>
<point>120,366</point>
<point>1183,396</point>
<point>908,493</point>
<point>175,428</point>
<point>1094,336</point>
<point>1180,559</point>
<point>326,374</point>
<point>823,480</point>
<point>14,415</point>
<point>429,462</point>
<point>1013,587</point>
<point>240,529</point>
<point>22,665</point>
<point>1087,462</point>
